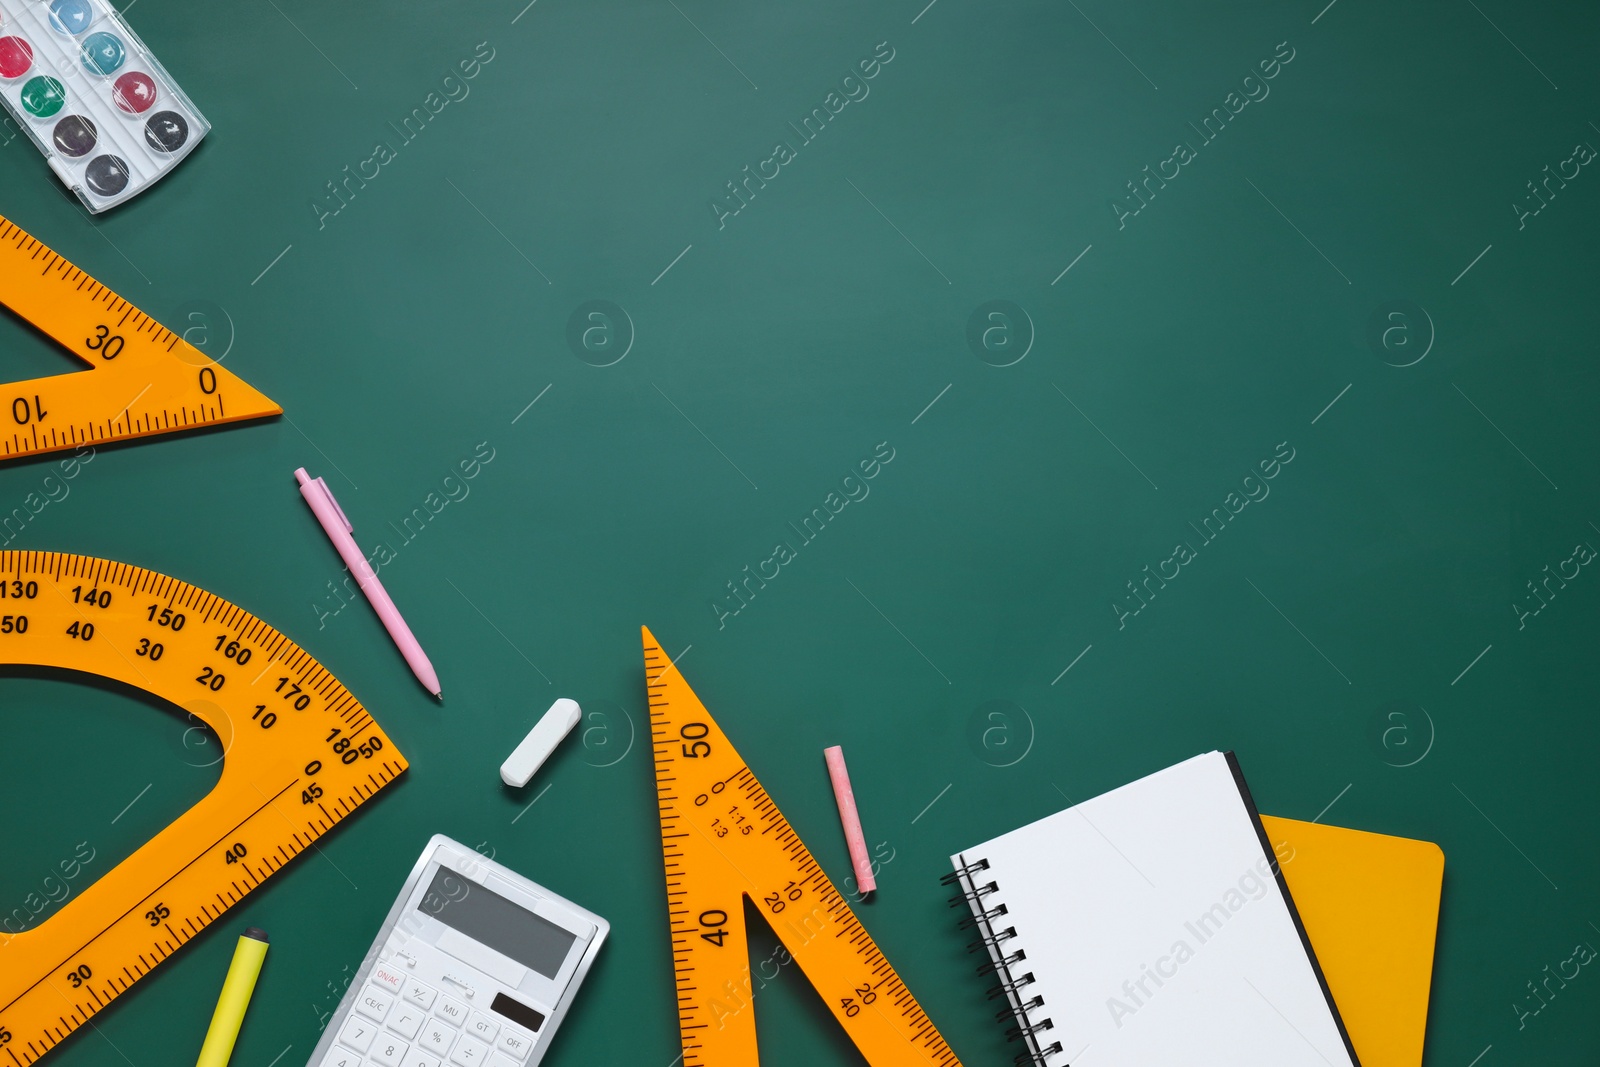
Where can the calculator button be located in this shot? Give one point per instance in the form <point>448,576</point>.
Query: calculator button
<point>453,1011</point>
<point>342,1057</point>
<point>417,1059</point>
<point>500,1059</point>
<point>388,1050</point>
<point>419,994</point>
<point>481,1026</point>
<point>357,1034</point>
<point>374,1003</point>
<point>436,1037</point>
<point>515,1042</point>
<point>405,1020</point>
<point>388,978</point>
<point>470,1052</point>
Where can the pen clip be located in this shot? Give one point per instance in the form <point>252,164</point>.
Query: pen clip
<point>322,487</point>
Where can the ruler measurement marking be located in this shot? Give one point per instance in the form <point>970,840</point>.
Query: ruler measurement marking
<point>70,306</point>
<point>120,943</point>
<point>145,898</point>
<point>776,857</point>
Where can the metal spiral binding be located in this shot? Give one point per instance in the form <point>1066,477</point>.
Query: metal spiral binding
<point>1002,964</point>
<point>995,941</point>
<point>1010,989</point>
<point>1006,1014</point>
<point>989,916</point>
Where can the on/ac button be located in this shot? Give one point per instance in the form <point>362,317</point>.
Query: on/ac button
<point>387,977</point>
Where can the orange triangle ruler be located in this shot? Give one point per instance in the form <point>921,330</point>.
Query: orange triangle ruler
<point>144,379</point>
<point>723,842</point>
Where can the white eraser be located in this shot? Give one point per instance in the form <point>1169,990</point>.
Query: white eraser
<point>542,740</point>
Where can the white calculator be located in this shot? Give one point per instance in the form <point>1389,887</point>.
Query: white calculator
<point>475,966</point>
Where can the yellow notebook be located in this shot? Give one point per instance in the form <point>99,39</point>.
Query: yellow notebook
<point>1370,906</point>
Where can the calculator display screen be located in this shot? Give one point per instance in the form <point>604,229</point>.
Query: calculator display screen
<point>492,920</point>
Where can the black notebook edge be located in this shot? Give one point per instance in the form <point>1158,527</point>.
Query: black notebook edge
<point>1288,900</point>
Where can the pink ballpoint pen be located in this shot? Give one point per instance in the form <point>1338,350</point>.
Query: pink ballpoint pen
<point>339,530</point>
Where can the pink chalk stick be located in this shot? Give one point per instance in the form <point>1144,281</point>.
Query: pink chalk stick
<point>850,819</point>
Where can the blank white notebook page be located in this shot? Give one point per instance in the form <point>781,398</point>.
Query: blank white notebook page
<point>1156,932</point>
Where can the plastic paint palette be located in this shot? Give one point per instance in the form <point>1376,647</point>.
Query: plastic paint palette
<point>106,115</point>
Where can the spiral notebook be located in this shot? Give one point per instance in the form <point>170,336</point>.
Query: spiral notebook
<point>1152,925</point>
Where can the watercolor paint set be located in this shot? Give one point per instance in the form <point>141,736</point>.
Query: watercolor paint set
<point>104,112</point>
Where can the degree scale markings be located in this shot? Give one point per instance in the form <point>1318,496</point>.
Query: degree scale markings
<point>711,804</point>
<point>301,754</point>
<point>142,379</point>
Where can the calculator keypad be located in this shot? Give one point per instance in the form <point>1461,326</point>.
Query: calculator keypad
<point>387,978</point>
<point>419,994</point>
<point>406,1020</point>
<point>374,1004</point>
<point>515,1044</point>
<point>452,1011</point>
<point>358,1033</point>
<point>482,1027</point>
<point>411,1038</point>
<point>469,1052</point>
<point>436,1037</point>
<point>388,1050</point>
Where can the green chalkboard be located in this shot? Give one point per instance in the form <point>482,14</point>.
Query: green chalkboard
<point>1228,371</point>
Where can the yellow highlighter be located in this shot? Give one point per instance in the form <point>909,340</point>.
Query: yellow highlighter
<point>236,989</point>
